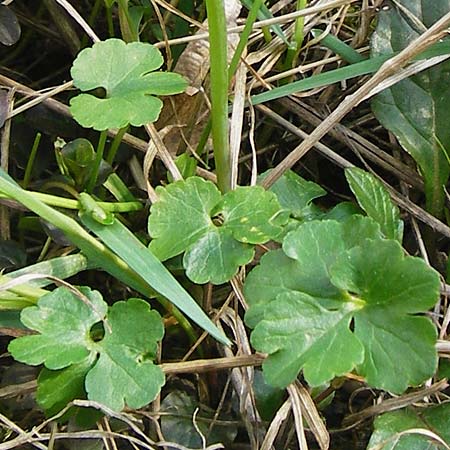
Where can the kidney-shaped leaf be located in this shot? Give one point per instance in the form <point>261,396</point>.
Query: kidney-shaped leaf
<point>118,369</point>
<point>375,286</point>
<point>399,346</point>
<point>125,373</point>
<point>126,73</point>
<point>216,230</point>
<point>304,265</point>
<point>298,333</point>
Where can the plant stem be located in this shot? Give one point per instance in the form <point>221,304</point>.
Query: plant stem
<point>68,203</point>
<point>30,162</point>
<point>294,50</point>
<point>251,18</point>
<point>97,161</point>
<point>219,91</point>
<point>115,145</point>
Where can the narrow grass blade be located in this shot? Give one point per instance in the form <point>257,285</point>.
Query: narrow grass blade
<point>263,14</point>
<point>345,73</point>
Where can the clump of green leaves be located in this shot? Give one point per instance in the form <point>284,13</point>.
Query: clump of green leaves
<point>127,74</point>
<point>90,349</point>
<point>339,296</point>
<point>218,232</point>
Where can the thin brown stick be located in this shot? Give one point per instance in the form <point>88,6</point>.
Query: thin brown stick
<point>207,365</point>
<point>394,403</point>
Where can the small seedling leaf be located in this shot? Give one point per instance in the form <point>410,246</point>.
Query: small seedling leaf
<point>117,369</point>
<point>216,231</point>
<point>126,73</point>
<point>329,275</point>
<point>375,200</point>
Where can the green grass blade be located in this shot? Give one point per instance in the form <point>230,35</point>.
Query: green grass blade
<point>345,73</point>
<point>62,267</point>
<point>333,43</point>
<point>263,14</point>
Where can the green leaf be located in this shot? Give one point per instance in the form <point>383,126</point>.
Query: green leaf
<point>298,333</point>
<point>118,368</point>
<point>215,257</point>
<point>192,202</point>
<point>303,266</point>
<point>399,347</point>
<point>331,274</point>
<point>375,200</point>
<point>56,388</point>
<point>125,373</point>
<point>216,231</point>
<point>131,272</point>
<point>435,419</point>
<point>416,109</point>
<point>177,422</point>
<point>294,193</point>
<point>251,214</point>
<point>126,72</point>
<point>64,322</point>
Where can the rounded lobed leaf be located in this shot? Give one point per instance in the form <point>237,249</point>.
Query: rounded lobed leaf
<point>375,285</point>
<point>125,72</point>
<point>252,214</point>
<point>124,373</point>
<point>63,321</point>
<point>115,371</point>
<point>216,257</point>
<point>400,350</point>
<point>188,202</point>
<point>381,275</point>
<point>217,231</point>
<point>299,333</point>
